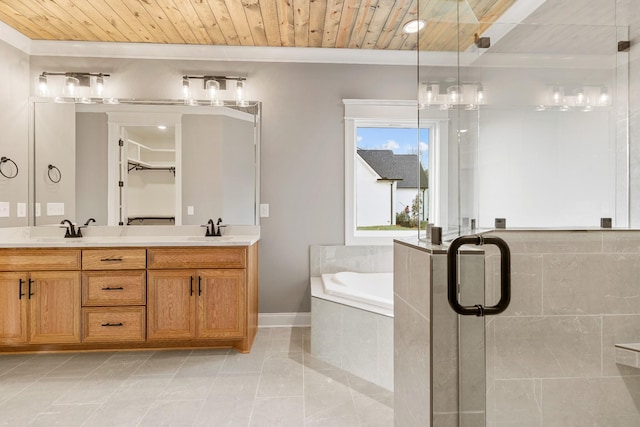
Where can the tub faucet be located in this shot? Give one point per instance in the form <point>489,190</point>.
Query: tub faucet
<point>71,229</point>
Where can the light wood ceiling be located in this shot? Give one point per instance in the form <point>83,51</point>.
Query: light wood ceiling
<point>359,24</point>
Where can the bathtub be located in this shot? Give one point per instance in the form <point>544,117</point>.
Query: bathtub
<point>371,289</point>
<point>352,324</point>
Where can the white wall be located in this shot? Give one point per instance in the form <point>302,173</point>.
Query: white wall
<point>14,118</point>
<point>372,196</point>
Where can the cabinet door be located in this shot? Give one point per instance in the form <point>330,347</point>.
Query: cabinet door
<point>54,307</point>
<point>171,305</point>
<point>13,300</point>
<point>221,303</point>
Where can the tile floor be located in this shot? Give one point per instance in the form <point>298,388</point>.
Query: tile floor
<point>278,384</point>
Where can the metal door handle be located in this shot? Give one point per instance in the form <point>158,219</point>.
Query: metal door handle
<point>20,293</point>
<point>30,293</point>
<point>505,276</point>
<point>191,286</point>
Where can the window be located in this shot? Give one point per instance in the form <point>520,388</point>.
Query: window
<point>388,164</point>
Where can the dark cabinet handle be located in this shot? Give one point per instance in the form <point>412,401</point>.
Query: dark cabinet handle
<point>119,288</point>
<point>191,286</point>
<point>111,260</point>
<point>30,293</point>
<point>199,285</point>
<point>20,293</point>
<point>113,324</point>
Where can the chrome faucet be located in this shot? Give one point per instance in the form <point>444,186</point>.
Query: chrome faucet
<point>71,229</point>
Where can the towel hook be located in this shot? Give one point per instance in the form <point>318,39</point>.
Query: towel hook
<point>57,172</point>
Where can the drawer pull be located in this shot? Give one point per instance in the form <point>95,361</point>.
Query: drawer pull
<point>119,288</point>
<point>111,260</point>
<point>113,324</point>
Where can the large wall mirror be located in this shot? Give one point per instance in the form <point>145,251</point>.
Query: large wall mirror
<point>138,163</point>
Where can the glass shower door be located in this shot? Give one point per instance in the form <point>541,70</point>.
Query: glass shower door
<point>535,100</point>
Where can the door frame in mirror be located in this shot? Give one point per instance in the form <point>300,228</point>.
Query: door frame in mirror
<point>117,169</point>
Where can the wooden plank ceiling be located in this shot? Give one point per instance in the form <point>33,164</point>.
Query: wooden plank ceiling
<point>364,24</point>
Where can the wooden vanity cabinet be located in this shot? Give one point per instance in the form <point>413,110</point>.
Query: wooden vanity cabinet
<point>40,300</point>
<point>57,299</point>
<point>200,304</point>
<point>114,295</point>
<point>201,294</point>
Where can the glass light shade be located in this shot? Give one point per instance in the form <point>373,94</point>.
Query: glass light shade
<point>98,87</point>
<point>240,101</point>
<point>42,85</point>
<point>481,98</point>
<point>454,95</point>
<point>213,91</point>
<point>557,95</point>
<point>186,90</point>
<point>580,98</point>
<point>604,96</point>
<point>71,86</point>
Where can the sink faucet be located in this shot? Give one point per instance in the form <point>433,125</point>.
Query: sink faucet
<point>71,229</point>
<point>86,224</point>
<point>211,228</point>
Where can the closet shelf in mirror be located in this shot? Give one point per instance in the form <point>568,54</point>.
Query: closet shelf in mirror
<point>141,166</point>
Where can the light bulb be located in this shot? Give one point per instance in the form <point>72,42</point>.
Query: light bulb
<point>580,97</point>
<point>556,95</point>
<point>454,94</point>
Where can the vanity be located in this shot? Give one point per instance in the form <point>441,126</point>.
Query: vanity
<point>128,291</point>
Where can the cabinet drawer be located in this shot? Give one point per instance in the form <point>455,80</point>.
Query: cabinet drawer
<point>113,324</point>
<point>100,288</point>
<point>228,257</point>
<point>113,259</point>
<point>39,259</point>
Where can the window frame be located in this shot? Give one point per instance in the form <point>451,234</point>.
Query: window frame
<point>387,114</point>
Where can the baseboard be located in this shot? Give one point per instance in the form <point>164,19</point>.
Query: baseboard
<point>283,320</point>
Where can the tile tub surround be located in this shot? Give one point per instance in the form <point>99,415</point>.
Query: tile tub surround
<point>551,357</point>
<point>279,383</point>
<point>355,340</point>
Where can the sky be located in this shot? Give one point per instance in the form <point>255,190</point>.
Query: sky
<point>399,140</point>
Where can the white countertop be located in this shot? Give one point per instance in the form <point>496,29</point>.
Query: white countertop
<point>104,236</point>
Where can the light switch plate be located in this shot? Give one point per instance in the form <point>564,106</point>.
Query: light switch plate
<point>264,210</point>
<point>5,209</point>
<point>21,210</point>
<point>190,210</point>
<point>55,209</point>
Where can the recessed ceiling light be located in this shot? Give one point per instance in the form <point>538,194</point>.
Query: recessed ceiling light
<point>162,127</point>
<point>413,26</point>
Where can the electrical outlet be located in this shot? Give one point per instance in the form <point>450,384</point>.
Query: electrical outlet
<point>38,209</point>
<point>264,210</point>
<point>190,210</point>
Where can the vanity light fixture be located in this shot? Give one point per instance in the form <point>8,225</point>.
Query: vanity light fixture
<point>468,95</point>
<point>83,87</point>
<point>581,98</point>
<point>213,87</point>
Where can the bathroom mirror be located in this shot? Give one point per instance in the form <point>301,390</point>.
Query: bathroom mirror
<point>138,163</point>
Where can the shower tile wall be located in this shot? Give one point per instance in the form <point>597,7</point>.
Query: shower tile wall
<point>551,356</point>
